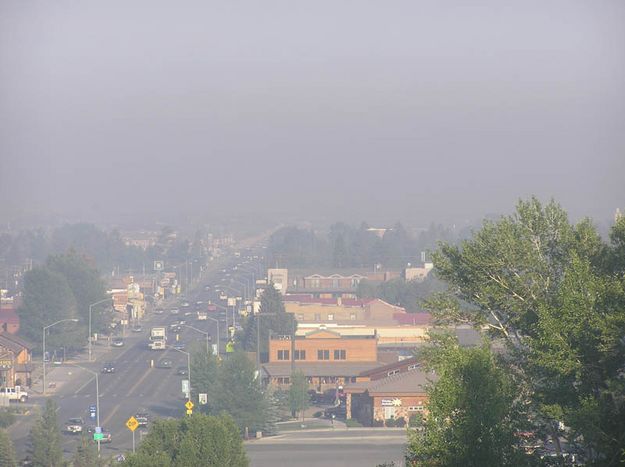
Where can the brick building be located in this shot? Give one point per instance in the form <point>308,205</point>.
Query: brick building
<point>326,357</point>
<point>400,394</point>
<point>341,310</point>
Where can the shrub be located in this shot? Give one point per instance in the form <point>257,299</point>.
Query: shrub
<point>415,420</point>
<point>352,423</point>
<point>318,414</point>
<point>390,422</point>
<point>377,423</point>
<point>400,422</point>
<point>7,418</point>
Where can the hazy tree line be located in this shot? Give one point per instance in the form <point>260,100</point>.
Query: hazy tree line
<point>410,295</point>
<point>106,249</point>
<point>63,288</point>
<point>345,246</point>
<point>551,295</point>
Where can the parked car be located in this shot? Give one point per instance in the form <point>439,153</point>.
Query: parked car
<point>164,363</point>
<point>137,329</point>
<point>174,311</point>
<point>178,346</point>
<point>159,311</point>
<point>182,371</point>
<point>108,438</point>
<point>117,342</point>
<point>74,426</point>
<point>109,367</point>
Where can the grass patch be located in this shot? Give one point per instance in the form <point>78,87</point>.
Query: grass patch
<point>353,423</point>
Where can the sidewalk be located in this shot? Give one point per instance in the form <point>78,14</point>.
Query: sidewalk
<point>97,352</point>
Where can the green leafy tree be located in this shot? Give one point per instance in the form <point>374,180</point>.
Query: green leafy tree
<point>86,454</point>
<point>238,393</point>
<point>553,292</point>
<point>7,453</point>
<point>299,399</point>
<point>196,440</point>
<point>86,285</point>
<point>48,298</point>
<point>275,320</point>
<point>472,411</point>
<point>46,438</point>
<point>204,372</point>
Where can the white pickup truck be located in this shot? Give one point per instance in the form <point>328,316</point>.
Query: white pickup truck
<point>14,394</point>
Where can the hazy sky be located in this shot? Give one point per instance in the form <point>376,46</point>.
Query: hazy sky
<point>421,110</point>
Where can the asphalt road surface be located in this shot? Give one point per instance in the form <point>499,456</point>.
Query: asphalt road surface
<point>136,385</point>
<point>324,448</point>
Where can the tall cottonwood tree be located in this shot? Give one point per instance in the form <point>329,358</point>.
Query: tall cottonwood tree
<point>473,411</point>
<point>553,291</point>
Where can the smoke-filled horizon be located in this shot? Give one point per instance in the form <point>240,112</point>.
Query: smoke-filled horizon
<point>421,111</point>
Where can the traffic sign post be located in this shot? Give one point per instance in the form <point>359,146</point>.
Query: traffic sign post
<point>189,406</point>
<point>92,411</point>
<point>132,425</point>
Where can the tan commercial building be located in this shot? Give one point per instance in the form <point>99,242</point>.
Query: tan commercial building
<point>15,361</point>
<point>326,357</point>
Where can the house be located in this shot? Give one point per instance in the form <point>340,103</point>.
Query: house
<point>15,361</point>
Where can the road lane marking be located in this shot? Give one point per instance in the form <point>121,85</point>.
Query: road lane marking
<point>84,386</point>
<point>132,389</point>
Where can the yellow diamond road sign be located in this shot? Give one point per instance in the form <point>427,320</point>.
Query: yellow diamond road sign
<point>132,423</point>
<point>189,405</point>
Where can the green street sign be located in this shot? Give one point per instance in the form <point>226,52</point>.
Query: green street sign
<point>98,436</point>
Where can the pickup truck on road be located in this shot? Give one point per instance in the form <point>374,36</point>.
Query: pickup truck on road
<point>14,394</point>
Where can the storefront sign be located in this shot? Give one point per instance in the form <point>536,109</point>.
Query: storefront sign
<point>391,402</point>
<point>6,364</point>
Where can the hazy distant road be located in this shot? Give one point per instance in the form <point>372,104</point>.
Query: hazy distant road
<point>321,448</point>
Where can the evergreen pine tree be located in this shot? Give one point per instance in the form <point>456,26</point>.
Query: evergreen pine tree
<point>46,439</point>
<point>86,454</point>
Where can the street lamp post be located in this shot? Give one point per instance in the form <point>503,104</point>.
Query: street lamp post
<point>244,285</point>
<point>242,291</point>
<point>90,335</point>
<point>188,366</point>
<point>43,356</point>
<point>203,332</point>
<point>226,308</point>
<point>217,326</point>
<point>97,396</point>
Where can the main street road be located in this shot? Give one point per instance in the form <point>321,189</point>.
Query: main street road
<point>134,386</point>
<point>366,447</point>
